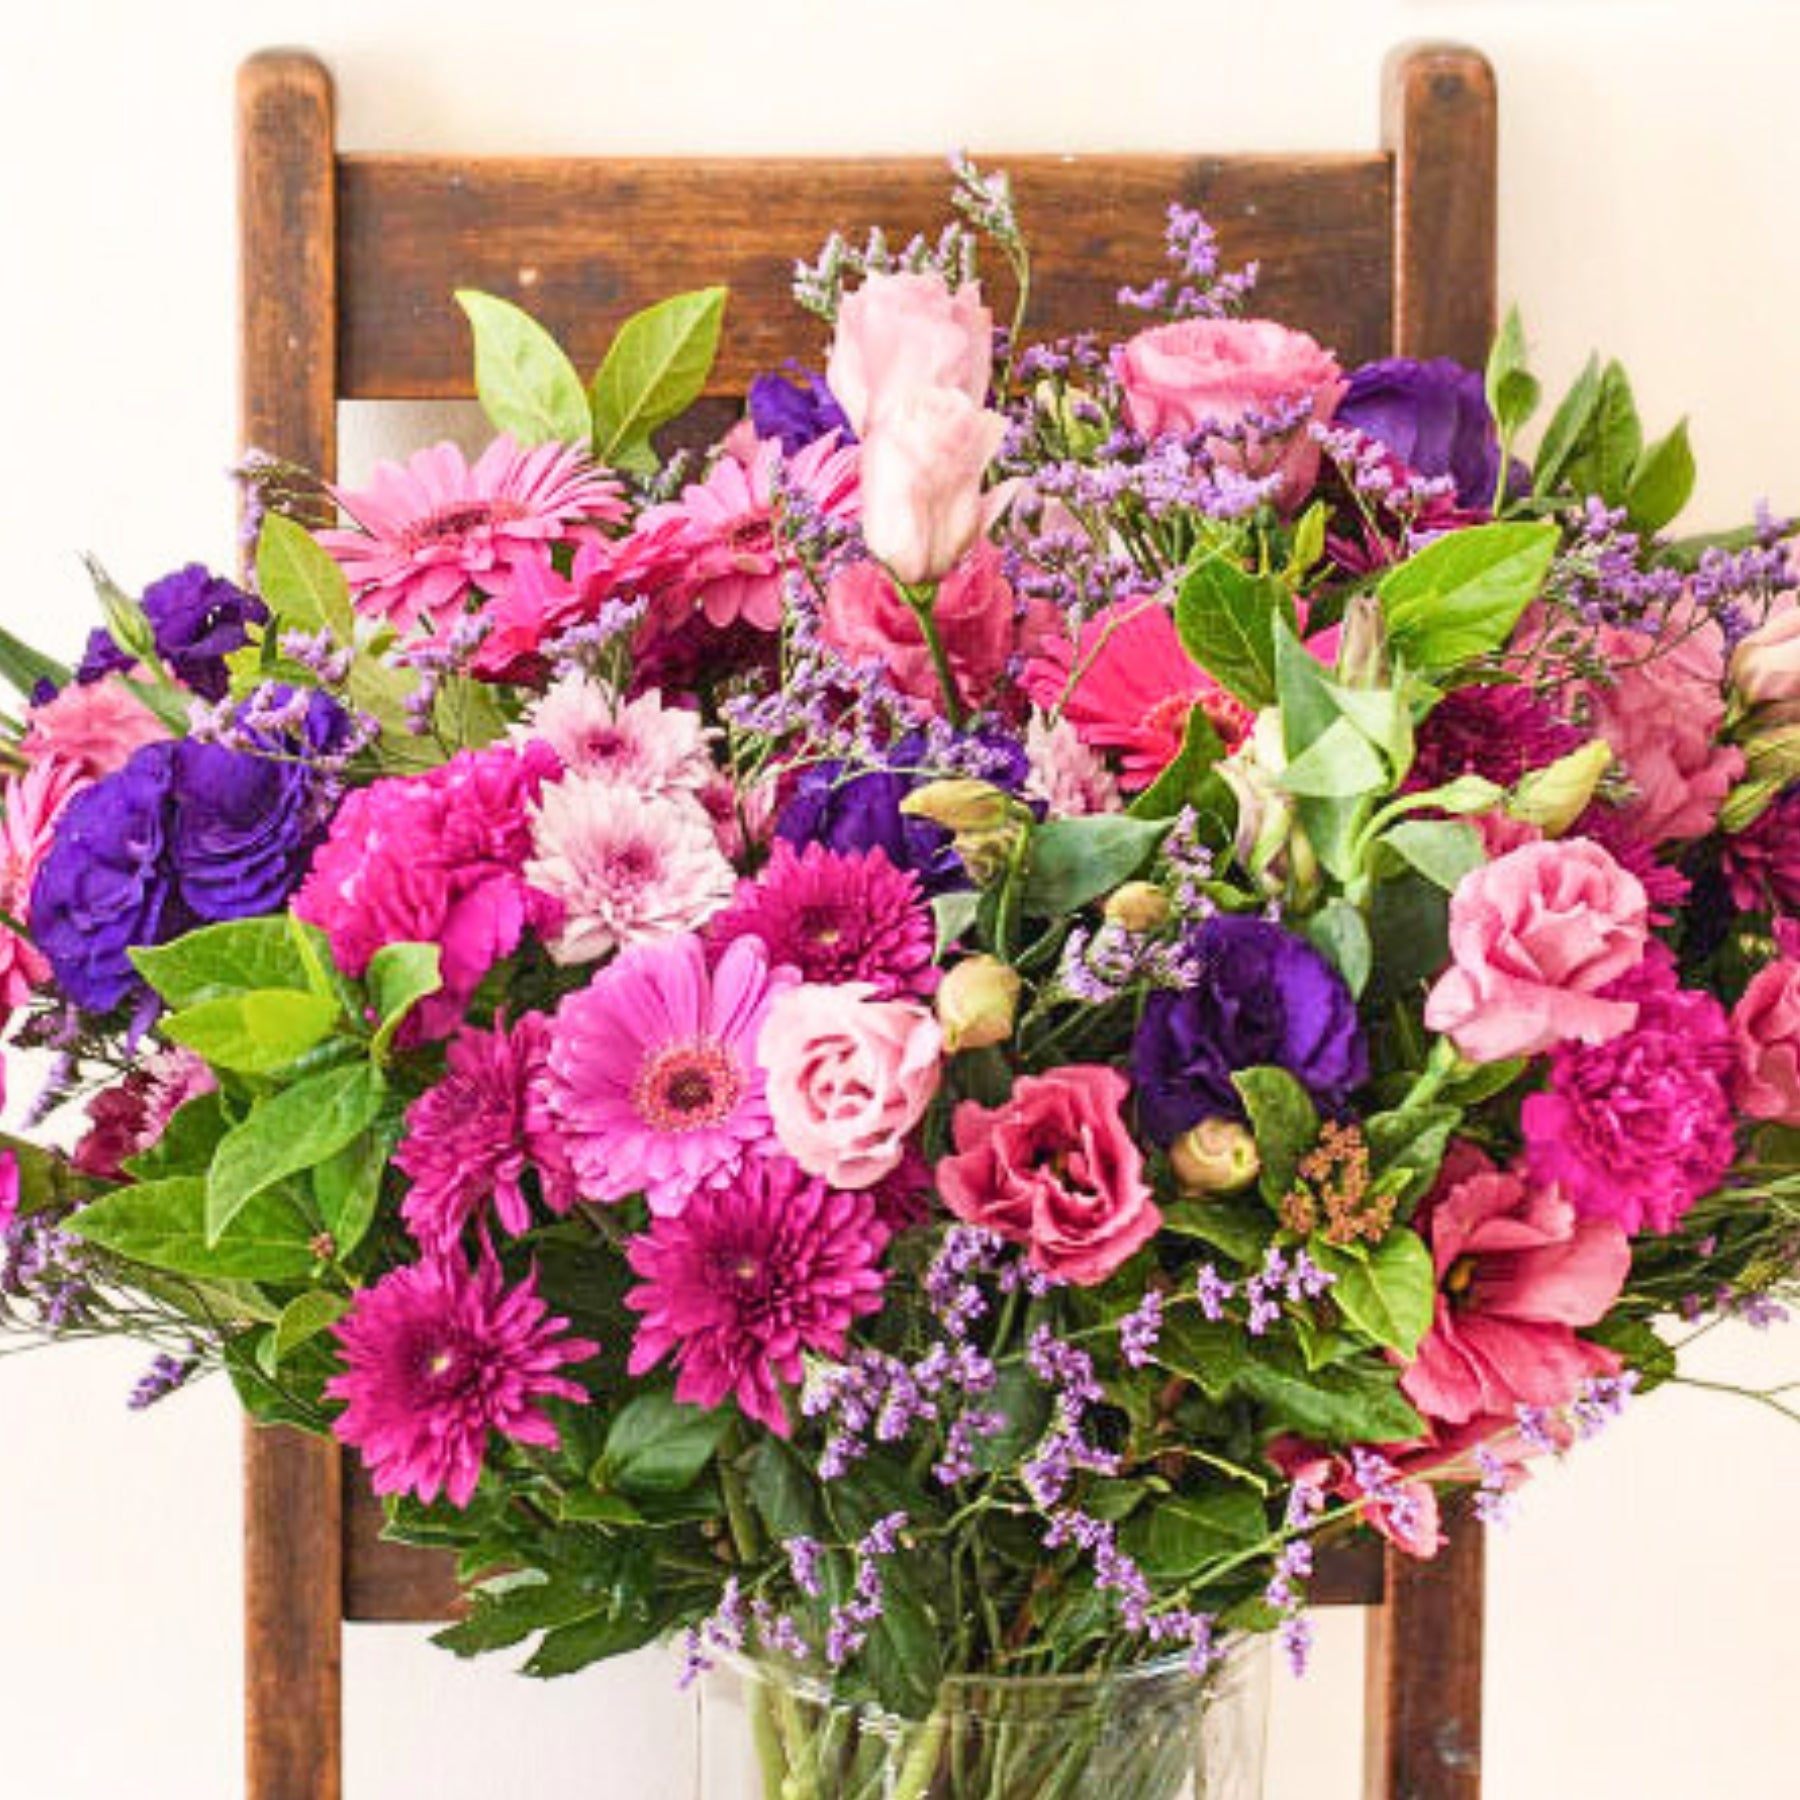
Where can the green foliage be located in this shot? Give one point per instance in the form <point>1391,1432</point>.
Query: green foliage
<point>1340,933</point>
<point>525,383</point>
<point>1226,618</point>
<point>163,1224</point>
<point>1662,481</point>
<point>346,1188</point>
<point>1406,1149</point>
<point>300,580</point>
<point>1442,850</point>
<point>657,1445</point>
<point>1284,1121</point>
<point>1388,1292</point>
<point>23,667</point>
<point>1073,861</point>
<point>1460,597</point>
<point>223,960</point>
<point>1513,391</point>
<point>1567,428</point>
<point>1182,782</point>
<point>1603,456</point>
<point>654,370</point>
<point>399,977</point>
<point>1180,1538</point>
<point>255,1032</point>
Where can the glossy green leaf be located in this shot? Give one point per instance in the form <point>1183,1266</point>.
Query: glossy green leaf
<point>1179,784</point>
<point>1568,425</point>
<point>300,579</point>
<point>1073,861</point>
<point>1284,1121</point>
<point>303,1319</point>
<point>1182,1536</point>
<point>347,1188</point>
<point>1662,483</point>
<point>234,958</point>
<point>255,1032</point>
<point>1461,596</point>
<point>163,1224</point>
<point>1226,618</point>
<point>658,1445</point>
<point>654,370</point>
<point>1607,452</point>
<point>23,667</point>
<point>399,977</point>
<point>525,383</point>
<point>1388,1293</point>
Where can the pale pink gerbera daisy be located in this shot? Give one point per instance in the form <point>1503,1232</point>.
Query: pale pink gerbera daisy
<point>438,1355</point>
<point>733,562</point>
<point>653,1073</point>
<point>625,868</point>
<point>638,744</point>
<point>31,803</point>
<point>433,527</point>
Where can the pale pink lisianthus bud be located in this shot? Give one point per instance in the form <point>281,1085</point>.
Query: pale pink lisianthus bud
<point>1235,375</point>
<point>848,1076</point>
<point>1765,666</point>
<point>1765,1026</point>
<point>94,726</point>
<point>1534,937</point>
<point>922,466</point>
<point>899,333</point>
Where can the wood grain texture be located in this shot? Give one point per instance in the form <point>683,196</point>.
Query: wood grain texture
<point>583,243</point>
<point>386,1583</point>
<point>1440,122</point>
<point>292,1527</point>
<point>1422,1735</point>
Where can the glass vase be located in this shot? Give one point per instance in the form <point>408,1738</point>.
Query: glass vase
<point>1155,1731</point>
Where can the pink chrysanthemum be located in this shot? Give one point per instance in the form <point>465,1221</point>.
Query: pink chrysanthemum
<point>837,916</point>
<point>750,1277</point>
<point>1127,684</point>
<point>1492,731</point>
<point>624,868</point>
<point>639,744</point>
<point>653,1072</point>
<point>471,1138</point>
<point>437,859</point>
<point>31,803</point>
<point>1762,862</point>
<point>438,1355</point>
<point>1066,775</point>
<point>435,526</point>
<point>1639,1128</point>
<point>732,562</point>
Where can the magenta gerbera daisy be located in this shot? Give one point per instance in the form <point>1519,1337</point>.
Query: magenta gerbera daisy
<point>434,526</point>
<point>837,916</point>
<point>750,1277</point>
<point>653,1074</point>
<point>437,1355</point>
<point>471,1139</point>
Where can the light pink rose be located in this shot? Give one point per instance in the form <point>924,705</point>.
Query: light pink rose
<point>1765,1024</point>
<point>1055,1170</point>
<point>899,333</point>
<point>1535,936</point>
<point>96,727</point>
<point>1765,667</point>
<point>1230,373</point>
<point>848,1077</point>
<point>922,465</point>
<point>1662,714</point>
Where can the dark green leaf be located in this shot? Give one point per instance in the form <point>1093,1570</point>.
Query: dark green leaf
<point>1073,861</point>
<point>1347,1403</point>
<point>1406,1148</point>
<point>1567,427</point>
<point>1226,619</point>
<point>655,369</point>
<point>163,1224</point>
<point>347,1188</point>
<point>525,383</point>
<point>783,1491</point>
<point>23,667</point>
<point>657,1445</point>
<point>508,1611</point>
<point>1663,481</point>
<point>1238,1224</point>
<point>187,1142</point>
<point>1409,924</point>
<point>1461,596</point>
<point>1641,1347</point>
<point>1211,1355</point>
<point>573,1647</point>
<point>1340,934</point>
<point>1178,1538</point>
<point>1607,452</point>
<point>1284,1121</point>
<point>1025,1404</point>
<point>1179,784</point>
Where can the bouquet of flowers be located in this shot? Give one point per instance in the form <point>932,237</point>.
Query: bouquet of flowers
<point>927,1044</point>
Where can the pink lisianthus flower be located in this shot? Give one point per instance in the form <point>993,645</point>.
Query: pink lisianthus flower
<point>1635,1129</point>
<point>750,1278</point>
<point>1765,1027</point>
<point>1401,1506</point>
<point>898,334</point>
<point>94,727</point>
<point>1518,1273</point>
<point>29,806</point>
<point>653,750</point>
<point>433,527</point>
<point>129,1117</point>
<point>1535,937</point>
<point>437,1357</point>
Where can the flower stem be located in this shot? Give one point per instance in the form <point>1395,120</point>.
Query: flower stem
<point>922,601</point>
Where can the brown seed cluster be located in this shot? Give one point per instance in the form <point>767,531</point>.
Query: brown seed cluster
<point>1331,1192</point>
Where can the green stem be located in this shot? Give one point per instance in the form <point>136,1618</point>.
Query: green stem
<point>920,1766</point>
<point>923,604</point>
<point>763,1734</point>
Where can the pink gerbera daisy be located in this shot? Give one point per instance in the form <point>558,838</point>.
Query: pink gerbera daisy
<point>1127,684</point>
<point>748,1279</point>
<point>624,867</point>
<point>433,527</point>
<point>653,1072</point>
<point>31,803</point>
<point>639,744</point>
<point>471,1138</point>
<point>438,1355</point>
<point>837,916</point>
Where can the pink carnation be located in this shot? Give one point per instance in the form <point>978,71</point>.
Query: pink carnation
<point>31,803</point>
<point>1765,1026</point>
<point>1065,774</point>
<point>95,727</point>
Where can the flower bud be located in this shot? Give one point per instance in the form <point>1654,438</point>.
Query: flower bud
<point>1362,660</point>
<point>1217,1156</point>
<point>977,1001</point>
<point>1773,756</point>
<point>1137,906</point>
<point>960,804</point>
<point>1553,798</point>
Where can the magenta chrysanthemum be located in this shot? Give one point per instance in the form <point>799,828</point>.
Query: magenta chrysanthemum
<point>433,527</point>
<point>653,1074</point>
<point>836,916</point>
<point>750,1277</point>
<point>471,1139</point>
<point>1499,733</point>
<point>438,1355</point>
<point>1762,862</point>
<point>1639,1128</point>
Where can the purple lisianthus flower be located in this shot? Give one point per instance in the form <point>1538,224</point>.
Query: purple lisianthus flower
<point>1263,997</point>
<point>105,884</point>
<point>101,658</point>
<point>797,408</point>
<point>1434,416</point>
<point>198,619</point>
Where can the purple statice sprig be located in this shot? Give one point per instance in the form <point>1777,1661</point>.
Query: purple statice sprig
<point>819,286</point>
<point>437,662</point>
<point>848,1623</point>
<point>1201,287</point>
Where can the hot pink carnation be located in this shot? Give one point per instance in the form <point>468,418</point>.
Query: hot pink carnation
<point>1535,936</point>
<point>473,1136</point>
<point>1765,1026</point>
<point>1638,1128</point>
<point>748,1279</point>
<point>438,1355</point>
<point>1518,1273</point>
<point>95,727</point>
<point>653,1074</point>
<point>1762,862</point>
<point>437,859</point>
<point>31,803</point>
<point>1055,1170</point>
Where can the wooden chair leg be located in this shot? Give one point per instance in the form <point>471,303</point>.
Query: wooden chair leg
<point>1423,1736</point>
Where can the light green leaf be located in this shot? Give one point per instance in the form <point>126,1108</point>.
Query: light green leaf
<point>347,1188</point>
<point>163,1225</point>
<point>1461,596</point>
<point>1442,850</point>
<point>1663,481</point>
<point>1284,1122</point>
<point>1073,861</point>
<point>257,1032</point>
<point>302,1319</point>
<point>399,977</point>
<point>654,370</point>
<point>954,913</point>
<point>1512,390</point>
<point>525,383</point>
<point>1340,764</point>
<point>1388,1293</point>
<point>1340,934</point>
<point>234,958</point>
<point>1226,618</point>
<point>23,667</point>
<point>301,581</point>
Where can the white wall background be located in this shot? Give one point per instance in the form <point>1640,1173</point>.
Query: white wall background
<point>1644,1608</point>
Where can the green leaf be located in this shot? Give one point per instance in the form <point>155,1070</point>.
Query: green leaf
<point>1073,861</point>
<point>1409,924</point>
<point>525,383</point>
<point>1226,618</point>
<point>1212,1355</point>
<point>187,1142</point>
<point>507,1611</point>
<point>658,1445</point>
<point>1513,391</point>
<point>954,913</point>
<point>1284,1121</point>
<point>1568,425</point>
<point>163,1224</point>
<point>1340,934</point>
<point>1607,452</point>
<point>1442,850</point>
<point>301,581</point>
<point>1178,1538</point>
<point>1461,596</point>
<point>235,958</point>
<point>399,977</point>
<point>1024,1403</point>
<point>1238,1224</point>
<point>1388,1293</point>
<point>347,1188</point>
<point>1662,483</point>
<point>783,1491</point>
<point>654,370</point>
<point>1179,784</point>
<point>23,667</point>
<point>1641,1347</point>
<point>1406,1149</point>
<point>1340,764</point>
<point>571,1648</point>
<point>257,1032</point>
<point>293,1130</point>
<point>1356,1402</point>
<point>303,1319</point>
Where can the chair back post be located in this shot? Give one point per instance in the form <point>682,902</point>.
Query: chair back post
<point>293,1532</point>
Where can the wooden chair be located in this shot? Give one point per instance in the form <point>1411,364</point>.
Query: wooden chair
<point>348,263</point>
